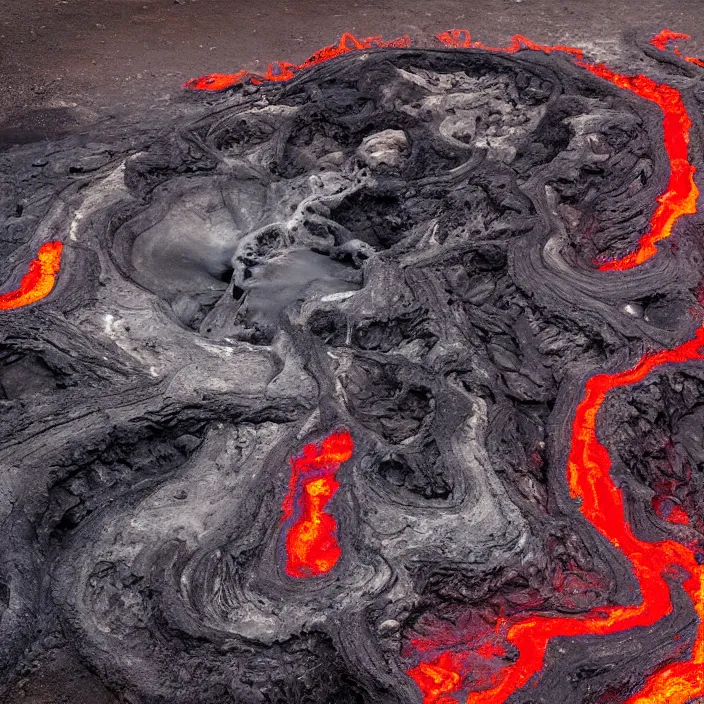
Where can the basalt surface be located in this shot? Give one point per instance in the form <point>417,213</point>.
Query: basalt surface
<point>299,417</point>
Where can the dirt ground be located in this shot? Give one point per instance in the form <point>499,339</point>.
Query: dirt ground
<point>67,64</point>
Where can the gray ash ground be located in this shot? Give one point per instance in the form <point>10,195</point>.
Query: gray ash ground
<point>399,242</point>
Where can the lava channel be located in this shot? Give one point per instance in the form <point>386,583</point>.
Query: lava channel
<point>680,197</point>
<point>663,39</point>
<point>589,464</point>
<point>312,548</point>
<point>39,280</point>
<point>311,542</point>
<point>283,70</point>
<point>681,194</point>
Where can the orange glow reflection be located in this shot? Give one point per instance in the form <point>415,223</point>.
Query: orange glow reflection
<point>589,464</point>
<point>680,197</point>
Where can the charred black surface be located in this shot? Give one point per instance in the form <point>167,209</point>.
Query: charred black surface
<point>397,242</point>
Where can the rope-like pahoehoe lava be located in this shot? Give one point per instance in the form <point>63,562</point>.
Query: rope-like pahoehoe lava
<point>589,465</point>
<point>440,251</point>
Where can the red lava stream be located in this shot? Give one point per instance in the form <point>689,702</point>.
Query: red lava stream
<point>589,464</point>
<point>283,70</point>
<point>588,471</point>
<point>311,542</point>
<point>39,280</point>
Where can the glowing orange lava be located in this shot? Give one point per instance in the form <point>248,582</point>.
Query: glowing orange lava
<point>680,197</point>
<point>663,39</point>
<point>39,280</point>
<point>284,71</point>
<point>311,542</point>
<point>589,464</point>
<point>310,533</point>
<point>462,39</point>
<point>589,479</point>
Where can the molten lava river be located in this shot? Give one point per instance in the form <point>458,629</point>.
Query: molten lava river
<point>375,378</point>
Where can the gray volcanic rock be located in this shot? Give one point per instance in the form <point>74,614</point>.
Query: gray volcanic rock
<point>392,242</point>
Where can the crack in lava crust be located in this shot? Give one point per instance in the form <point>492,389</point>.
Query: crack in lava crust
<point>663,39</point>
<point>602,504</point>
<point>589,464</point>
<point>681,195</point>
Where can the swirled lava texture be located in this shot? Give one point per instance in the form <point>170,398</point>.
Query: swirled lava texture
<point>601,502</point>
<point>311,542</point>
<point>39,280</point>
<point>483,264</point>
<point>681,195</point>
<point>588,466</point>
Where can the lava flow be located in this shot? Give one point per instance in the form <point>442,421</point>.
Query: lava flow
<point>588,469</point>
<point>284,70</point>
<point>515,646</point>
<point>681,195</point>
<point>39,280</point>
<point>663,39</point>
<point>588,474</point>
<point>311,543</point>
